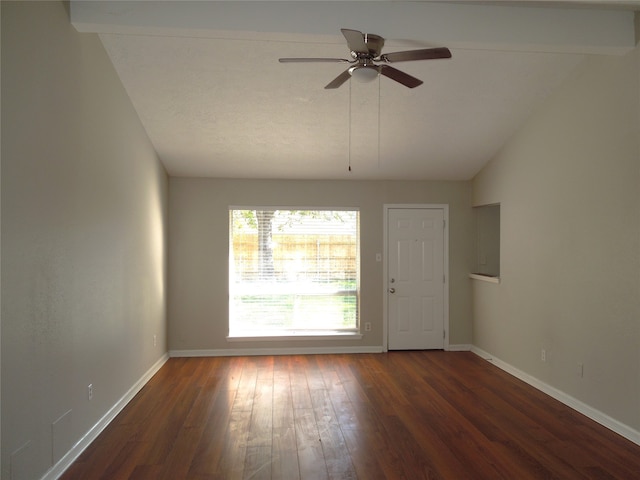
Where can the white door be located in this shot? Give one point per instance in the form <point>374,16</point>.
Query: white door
<point>416,281</point>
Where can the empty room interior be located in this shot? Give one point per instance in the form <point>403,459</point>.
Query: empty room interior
<point>205,181</point>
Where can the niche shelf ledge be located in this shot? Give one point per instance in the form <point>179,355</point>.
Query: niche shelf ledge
<point>484,278</point>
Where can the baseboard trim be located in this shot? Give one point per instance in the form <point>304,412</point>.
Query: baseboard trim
<point>581,407</point>
<point>65,462</point>
<point>237,352</point>
<point>462,347</point>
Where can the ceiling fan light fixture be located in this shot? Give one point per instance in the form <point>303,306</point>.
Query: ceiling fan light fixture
<point>364,73</point>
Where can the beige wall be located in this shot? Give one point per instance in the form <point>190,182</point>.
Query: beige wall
<point>84,202</point>
<point>569,188</point>
<point>198,250</point>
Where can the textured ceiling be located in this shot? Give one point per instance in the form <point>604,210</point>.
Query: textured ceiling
<point>221,105</point>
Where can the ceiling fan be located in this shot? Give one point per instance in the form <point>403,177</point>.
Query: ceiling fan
<point>365,51</point>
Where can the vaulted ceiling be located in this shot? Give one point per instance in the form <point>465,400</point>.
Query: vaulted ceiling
<point>205,80</point>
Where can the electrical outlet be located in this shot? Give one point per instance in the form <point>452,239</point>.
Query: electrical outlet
<point>155,340</point>
<point>90,391</point>
<point>580,370</point>
<point>543,355</point>
<point>367,326</point>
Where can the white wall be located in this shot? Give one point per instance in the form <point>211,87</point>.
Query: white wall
<point>84,203</point>
<point>569,188</point>
<point>199,246</point>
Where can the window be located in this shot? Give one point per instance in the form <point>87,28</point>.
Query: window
<point>293,272</point>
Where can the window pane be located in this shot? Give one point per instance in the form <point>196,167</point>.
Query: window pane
<point>293,270</point>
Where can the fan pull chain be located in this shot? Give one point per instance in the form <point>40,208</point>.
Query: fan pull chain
<point>378,122</point>
<point>350,126</point>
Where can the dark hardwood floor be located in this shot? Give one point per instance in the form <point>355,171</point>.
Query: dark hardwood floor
<point>399,415</point>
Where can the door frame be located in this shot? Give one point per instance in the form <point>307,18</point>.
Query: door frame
<point>385,266</point>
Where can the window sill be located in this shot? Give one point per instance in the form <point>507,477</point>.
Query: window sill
<point>295,336</point>
<point>484,278</point>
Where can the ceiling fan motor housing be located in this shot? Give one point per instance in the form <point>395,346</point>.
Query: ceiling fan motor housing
<point>374,45</point>
<point>366,70</point>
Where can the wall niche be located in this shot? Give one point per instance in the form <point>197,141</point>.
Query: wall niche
<point>487,240</point>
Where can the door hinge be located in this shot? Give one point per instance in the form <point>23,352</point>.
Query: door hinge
<point>444,334</point>
<point>444,279</point>
<point>444,224</point>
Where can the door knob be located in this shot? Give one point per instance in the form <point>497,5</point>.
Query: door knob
<point>392,290</point>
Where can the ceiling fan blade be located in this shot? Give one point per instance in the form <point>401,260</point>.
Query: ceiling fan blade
<point>313,60</point>
<point>355,40</point>
<point>339,80</point>
<point>401,77</point>
<point>409,55</point>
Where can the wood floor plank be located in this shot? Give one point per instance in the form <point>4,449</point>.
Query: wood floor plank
<point>261,423</point>
<point>234,446</point>
<point>299,385</point>
<point>282,401</point>
<point>284,447</point>
<point>258,462</point>
<point>170,422</point>
<point>245,392</point>
<point>210,448</point>
<point>147,472</point>
<point>309,445</point>
<point>398,415</point>
<point>342,406</point>
<point>123,463</point>
<point>178,462</point>
<point>284,454</point>
<point>333,444</point>
<point>373,457</point>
